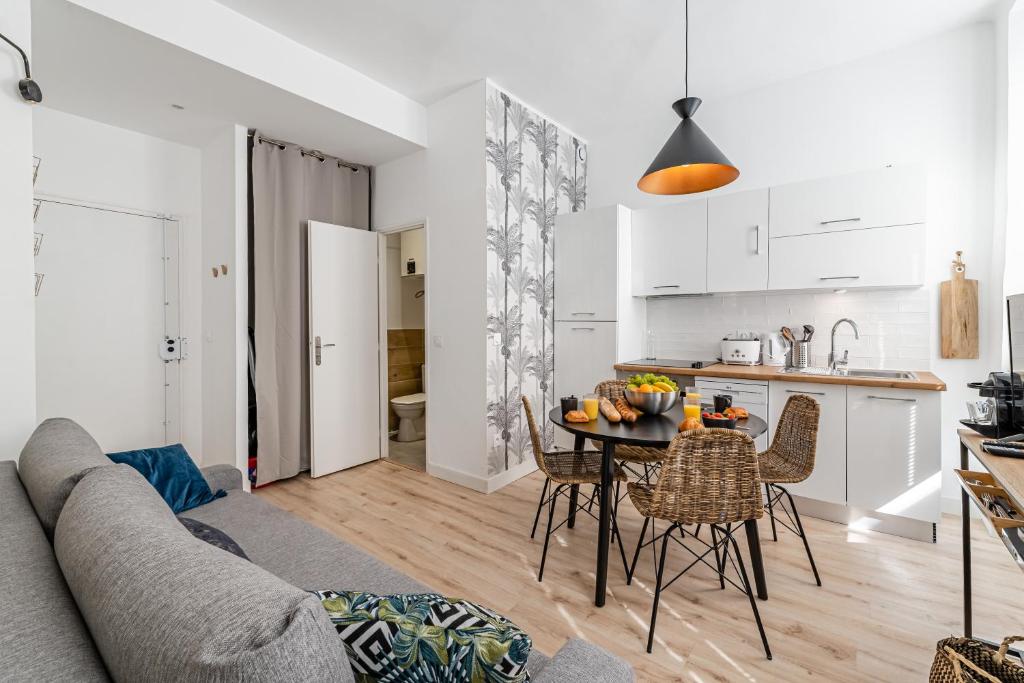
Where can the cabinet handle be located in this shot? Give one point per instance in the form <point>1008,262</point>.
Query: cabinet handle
<point>582,313</point>
<point>841,277</point>
<point>806,393</point>
<point>665,287</point>
<point>841,220</point>
<point>583,329</point>
<point>757,240</point>
<point>893,398</point>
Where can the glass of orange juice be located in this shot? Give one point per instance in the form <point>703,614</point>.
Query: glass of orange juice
<point>590,406</point>
<point>691,405</point>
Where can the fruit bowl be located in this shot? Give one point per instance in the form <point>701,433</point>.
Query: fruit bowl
<point>654,402</point>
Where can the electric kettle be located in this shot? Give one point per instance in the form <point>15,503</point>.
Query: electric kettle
<point>774,349</point>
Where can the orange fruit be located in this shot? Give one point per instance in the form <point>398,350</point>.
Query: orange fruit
<point>645,388</point>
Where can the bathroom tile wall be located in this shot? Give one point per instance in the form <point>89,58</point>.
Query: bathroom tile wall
<point>895,325</point>
<point>406,352</point>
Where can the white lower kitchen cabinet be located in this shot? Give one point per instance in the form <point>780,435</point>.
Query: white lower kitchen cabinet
<point>749,394</point>
<point>828,480</point>
<point>894,462</point>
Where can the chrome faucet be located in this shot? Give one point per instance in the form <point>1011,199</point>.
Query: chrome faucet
<point>832,362</point>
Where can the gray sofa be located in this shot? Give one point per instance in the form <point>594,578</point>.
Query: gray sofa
<point>100,581</point>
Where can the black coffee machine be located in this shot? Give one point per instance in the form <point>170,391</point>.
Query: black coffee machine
<point>1007,393</point>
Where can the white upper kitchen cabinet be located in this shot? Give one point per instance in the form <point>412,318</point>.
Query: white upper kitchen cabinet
<point>738,242</point>
<point>893,451</point>
<point>879,257</point>
<point>670,249</point>
<point>828,480</point>
<point>857,201</point>
<point>587,263</point>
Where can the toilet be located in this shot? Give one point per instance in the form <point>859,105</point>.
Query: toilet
<point>410,408</point>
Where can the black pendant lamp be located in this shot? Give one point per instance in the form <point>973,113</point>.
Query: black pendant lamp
<point>689,162</point>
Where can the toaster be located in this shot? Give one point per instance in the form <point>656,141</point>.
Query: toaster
<point>741,351</point>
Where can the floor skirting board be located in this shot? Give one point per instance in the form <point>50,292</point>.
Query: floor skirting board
<point>482,484</point>
<point>867,520</point>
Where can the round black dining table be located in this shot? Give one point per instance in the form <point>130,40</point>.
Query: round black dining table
<point>656,431</point>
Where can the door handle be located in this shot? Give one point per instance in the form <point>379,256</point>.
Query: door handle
<point>893,398</point>
<point>840,220</point>
<point>665,287</point>
<point>811,393</point>
<point>757,240</point>
<point>583,329</point>
<point>841,277</point>
<point>318,346</point>
<point>582,313</point>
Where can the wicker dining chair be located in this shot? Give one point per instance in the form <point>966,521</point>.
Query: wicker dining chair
<point>790,460</point>
<point>566,469</point>
<point>630,456</point>
<point>710,476</point>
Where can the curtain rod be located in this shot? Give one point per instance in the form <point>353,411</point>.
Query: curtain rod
<point>316,154</point>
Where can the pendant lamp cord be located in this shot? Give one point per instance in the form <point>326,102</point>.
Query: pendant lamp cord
<point>686,50</point>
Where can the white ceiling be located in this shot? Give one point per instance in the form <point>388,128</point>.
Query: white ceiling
<point>94,67</point>
<point>579,60</point>
<point>607,69</point>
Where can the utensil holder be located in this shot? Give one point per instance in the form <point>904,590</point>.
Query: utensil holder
<point>800,354</point>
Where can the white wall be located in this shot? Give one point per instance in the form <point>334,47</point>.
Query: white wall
<point>405,311</point>
<point>17,306</point>
<point>444,185</point>
<point>225,299</point>
<point>95,163</point>
<point>931,103</point>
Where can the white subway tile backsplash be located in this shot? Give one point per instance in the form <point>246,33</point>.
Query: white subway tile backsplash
<point>895,325</point>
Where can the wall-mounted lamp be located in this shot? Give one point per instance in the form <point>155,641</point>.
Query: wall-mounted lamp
<point>29,89</point>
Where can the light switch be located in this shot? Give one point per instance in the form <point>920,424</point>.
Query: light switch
<point>438,341</point>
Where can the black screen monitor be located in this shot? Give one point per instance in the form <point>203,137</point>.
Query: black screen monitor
<point>1015,331</point>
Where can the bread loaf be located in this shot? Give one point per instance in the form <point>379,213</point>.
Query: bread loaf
<point>625,410</point>
<point>576,416</point>
<point>609,411</point>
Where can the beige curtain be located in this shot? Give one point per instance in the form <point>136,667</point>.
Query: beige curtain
<point>289,188</point>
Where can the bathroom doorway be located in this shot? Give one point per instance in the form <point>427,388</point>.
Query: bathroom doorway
<point>404,293</point>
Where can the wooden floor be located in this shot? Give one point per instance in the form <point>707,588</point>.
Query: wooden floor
<point>884,603</point>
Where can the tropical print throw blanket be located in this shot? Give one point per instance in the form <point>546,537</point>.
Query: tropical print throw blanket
<point>426,637</point>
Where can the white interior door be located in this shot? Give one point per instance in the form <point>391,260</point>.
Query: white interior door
<point>344,363</point>
<point>107,298</point>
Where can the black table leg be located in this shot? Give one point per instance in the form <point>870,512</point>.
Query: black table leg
<point>605,526</point>
<point>574,490</point>
<point>756,561</point>
<point>965,516</point>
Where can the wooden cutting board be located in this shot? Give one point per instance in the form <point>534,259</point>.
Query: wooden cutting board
<point>958,307</point>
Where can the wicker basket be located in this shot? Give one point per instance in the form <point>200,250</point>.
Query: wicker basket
<point>964,660</point>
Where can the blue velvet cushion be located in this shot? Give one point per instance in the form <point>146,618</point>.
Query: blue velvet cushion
<point>172,473</point>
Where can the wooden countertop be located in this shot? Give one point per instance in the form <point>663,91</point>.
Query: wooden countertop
<point>925,381</point>
<point>1009,472</point>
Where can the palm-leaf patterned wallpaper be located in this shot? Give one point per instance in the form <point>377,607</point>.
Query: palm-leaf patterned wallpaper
<point>535,170</point>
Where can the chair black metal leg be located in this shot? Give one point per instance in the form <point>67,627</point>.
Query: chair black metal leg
<point>622,548</point>
<point>593,497</point>
<point>615,514</point>
<point>636,555</point>
<point>750,595</point>
<point>657,587</point>
<point>547,534</point>
<point>543,495</point>
<point>718,558</point>
<point>771,511</point>
<point>803,535</point>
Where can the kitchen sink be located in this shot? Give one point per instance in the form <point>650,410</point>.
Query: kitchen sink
<point>881,374</point>
<point>866,374</point>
